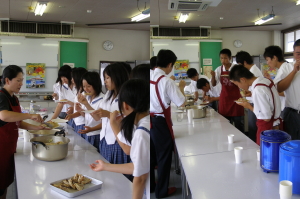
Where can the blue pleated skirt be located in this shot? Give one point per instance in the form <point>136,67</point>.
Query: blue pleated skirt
<point>93,140</point>
<point>79,127</point>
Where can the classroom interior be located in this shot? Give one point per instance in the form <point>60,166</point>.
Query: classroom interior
<point>222,24</point>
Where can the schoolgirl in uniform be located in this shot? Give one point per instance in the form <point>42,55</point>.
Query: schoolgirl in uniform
<point>56,88</point>
<point>134,103</point>
<point>91,99</point>
<point>115,75</point>
<point>67,92</point>
<point>78,119</point>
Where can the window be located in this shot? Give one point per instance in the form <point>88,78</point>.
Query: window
<point>289,40</point>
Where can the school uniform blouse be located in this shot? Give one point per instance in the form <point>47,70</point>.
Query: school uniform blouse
<point>263,102</point>
<point>67,93</point>
<point>168,92</point>
<point>257,73</point>
<point>106,131</point>
<point>80,119</point>
<point>89,120</point>
<point>292,93</point>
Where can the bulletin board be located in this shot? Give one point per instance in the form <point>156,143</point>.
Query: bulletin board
<point>74,53</point>
<point>209,56</point>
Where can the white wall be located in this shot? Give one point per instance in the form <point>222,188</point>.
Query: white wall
<point>254,42</point>
<point>129,45</point>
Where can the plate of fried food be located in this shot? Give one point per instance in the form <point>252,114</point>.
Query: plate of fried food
<point>241,100</point>
<point>76,185</point>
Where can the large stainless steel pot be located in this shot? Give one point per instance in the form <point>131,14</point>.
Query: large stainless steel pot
<point>198,111</point>
<point>189,97</point>
<point>39,133</point>
<point>45,152</point>
<point>189,102</point>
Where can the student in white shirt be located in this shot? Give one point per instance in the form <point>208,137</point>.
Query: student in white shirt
<point>153,63</point>
<point>194,76</point>
<point>212,94</point>
<point>288,81</point>
<point>264,95</point>
<point>72,114</point>
<point>245,59</point>
<point>56,88</point>
<point>115,75</point>
<point>140,72</point>
<point>163,91</point>
<point>134,105</point>
<point>67,92</point>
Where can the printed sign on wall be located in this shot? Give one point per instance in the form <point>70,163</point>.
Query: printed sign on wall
<point>180,68</point>
<point>35,75</point>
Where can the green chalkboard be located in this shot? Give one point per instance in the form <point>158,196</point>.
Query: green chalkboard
<point>73,52</point>
<point>210,50</point>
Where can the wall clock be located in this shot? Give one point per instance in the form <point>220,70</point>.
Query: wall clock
<point>108,45</point>
<point>237,43</point>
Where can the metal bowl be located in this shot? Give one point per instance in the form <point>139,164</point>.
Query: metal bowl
<point>39,133</point>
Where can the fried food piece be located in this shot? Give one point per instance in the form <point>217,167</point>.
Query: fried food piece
<point>66,184</point>
<point>86,181</point>
<point>71,183</point>
<point>79,187</point>
<point>80,178</point>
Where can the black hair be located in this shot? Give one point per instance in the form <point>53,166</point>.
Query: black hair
<point>191,72</point>
<point>239,71</point>
<point>135,93</point>
<point>77,77</point>
<point>127,67</point>
<point>65,71</point>
<point>242,57</point>
<point>141,71</point>
<point>11,72</point>
<point>225,51</point>
<point>272,51</point>
<point>93,79</point>
<point>165,57</point>
<point>118,75</point>
<point>201,83</point>
<point>153,63</point>
<point>297,43</point>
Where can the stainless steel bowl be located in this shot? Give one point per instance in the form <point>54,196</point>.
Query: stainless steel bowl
<point>199,112</point>
<point>39,133</point>
<point>45,152</point>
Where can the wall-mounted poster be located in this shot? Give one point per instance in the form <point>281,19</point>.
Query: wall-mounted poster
<point>35,75</point>
<point>180,68</point>
<point>206,71</point>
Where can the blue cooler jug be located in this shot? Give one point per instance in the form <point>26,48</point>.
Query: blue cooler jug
<point>289,163</point>
<point>270,141</point>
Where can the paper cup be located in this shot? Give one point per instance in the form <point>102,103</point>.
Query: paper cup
<point>258,154</point>
<point>190,115</point>
<point>285,189</point>
<point>230,138</point>
<point>238,154</point>
<point>26,136</point>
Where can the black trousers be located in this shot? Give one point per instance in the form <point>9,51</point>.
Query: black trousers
<point>214,105</point>
<point>161,148</point>
<point>238,122</point>
<point>291,119</point>
<point>252,128</point>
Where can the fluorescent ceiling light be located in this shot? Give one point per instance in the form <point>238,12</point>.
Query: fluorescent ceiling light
<point>192,44</point>
<point>49,44</point>
<point>265,19</point>
<point>298,2</point>
<point>10,43</point>
<point>40,8</point>
<point>183,17</point>
<point>67,22</point>
<point>140,17</point>
<point>160,44</point>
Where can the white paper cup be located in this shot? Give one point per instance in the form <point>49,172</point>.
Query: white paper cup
<point>190,115</point>
<point>285,189</point>
<point>238,154</point>
<point>258,154</point>
<point>26,136</point>
<point>230,138</point>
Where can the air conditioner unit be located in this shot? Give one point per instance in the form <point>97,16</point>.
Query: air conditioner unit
<point>188,6</point>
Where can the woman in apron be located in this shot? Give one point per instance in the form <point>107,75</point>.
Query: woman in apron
<point>10,120</point>
<point>229,93</point>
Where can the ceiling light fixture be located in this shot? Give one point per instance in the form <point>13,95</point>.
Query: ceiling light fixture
<point>40,8</point>
<point>298,2</point>
<point>145,14</point>
<point>265,18</point>
<point>183,17</point>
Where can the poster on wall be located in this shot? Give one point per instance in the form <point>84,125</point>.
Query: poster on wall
<point>35,75</point>
<point>267,71</point>
<point>206,71</point>
<point>180,68</point>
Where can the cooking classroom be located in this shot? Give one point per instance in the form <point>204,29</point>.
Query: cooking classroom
<point>226,122</point>
<point>74,98</point>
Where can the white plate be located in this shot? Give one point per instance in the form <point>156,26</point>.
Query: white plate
<point>94,185</point>
<point>88,111</point>
<point>57,101</point>
<point>179,111</point>
<point>59,120</point>
<point>240,102</point>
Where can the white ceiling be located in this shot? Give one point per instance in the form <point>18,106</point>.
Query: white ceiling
<point>103,11</point>
<point>234,13</point>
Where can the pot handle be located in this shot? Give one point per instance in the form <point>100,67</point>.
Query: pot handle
<point>191,98</point>
<point>62,132</point>
<point>187,105</point>
<point>35,143</point>
<point>45,117</point>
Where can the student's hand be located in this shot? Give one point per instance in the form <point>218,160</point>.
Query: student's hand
<point>69,116</point>
<point>267,75</point>
<point>86,130</point>
<point>207,99</point>
<point>97,114</point>
<point>248,93</point>
<point>173,78</point>
<point>55,96</point>
<point>245,104</point>
<point>70,103</point>
<point>100,166</point>
<point>81,99</point>
<point>115,120</point>
<point>70,110</point>
<point>36,117</point>
<point>78,107</point>
<point>182,84</point>
<point>213,73</point>
<point>297,65</point>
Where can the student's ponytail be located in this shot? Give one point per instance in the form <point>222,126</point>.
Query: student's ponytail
<point>135,93</point>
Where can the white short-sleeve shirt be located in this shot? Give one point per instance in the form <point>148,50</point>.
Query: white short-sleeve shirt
<point>214,91</point>
<point>89,120</point>
<point>194,85</point>
<point>168,92</point>
<point>292,93</point>
<point>257,73</point>
<point>80,119</point>
<point>263,102</point>
<point>67,93</point>
<point>56,88</point>
<point>106,131</point>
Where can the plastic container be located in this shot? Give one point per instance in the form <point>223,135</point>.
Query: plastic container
<point>270,141</point>
<point>31,107</point>
<point>289,163</point>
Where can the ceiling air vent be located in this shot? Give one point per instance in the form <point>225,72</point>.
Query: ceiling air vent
<point>188,5</point>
